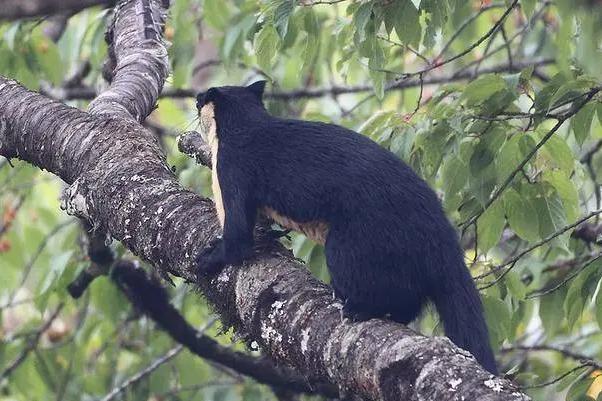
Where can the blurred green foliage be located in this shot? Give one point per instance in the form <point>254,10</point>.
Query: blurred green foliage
<point>465,137</point>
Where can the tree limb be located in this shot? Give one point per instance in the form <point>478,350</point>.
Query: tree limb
<point>87,93</point>
<point>152,299</point>
<point>14,9</point>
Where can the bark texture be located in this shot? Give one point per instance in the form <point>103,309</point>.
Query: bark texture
<point>12,9</point>
<point>120,183</point>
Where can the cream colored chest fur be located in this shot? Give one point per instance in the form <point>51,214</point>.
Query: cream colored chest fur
<point>314,230</point>
<point>209,132</point>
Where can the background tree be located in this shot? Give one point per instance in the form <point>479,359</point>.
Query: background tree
<point>496,104</point>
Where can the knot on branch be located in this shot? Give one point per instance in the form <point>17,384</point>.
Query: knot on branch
<point>74,200</point>
<point>192,144</point>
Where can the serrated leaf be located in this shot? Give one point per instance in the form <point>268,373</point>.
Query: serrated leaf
<point>282,13</point>
<point>407,22</point>
<point>578,390</point>
<point>580,290</point>
<point>267,43</point>
<point>49,59</point>
<point>483,88</point>
<point>598,306</point>
<point>509,157</point>
<point>528,6</point>
<point>490,226</point>
<point>498,319</point>
<point>234,36</point>
<point>550,211</point>
<point>566,190</point>
<point>582,121</point>
<point>521,215</point>
<point>550,307</point>
<point>515,285</point>
<point>559,153</point>
<point>360,20</point>
<point>215,14</point>
<point>454,175</point>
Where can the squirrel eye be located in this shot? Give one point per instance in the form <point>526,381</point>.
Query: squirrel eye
<point>200,100</point>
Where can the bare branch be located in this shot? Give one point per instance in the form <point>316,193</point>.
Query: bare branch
<point>31,345</point>
<point>86,93</point>
<point>13,9</point>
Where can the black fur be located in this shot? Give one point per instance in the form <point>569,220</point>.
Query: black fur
<point>389,249</point>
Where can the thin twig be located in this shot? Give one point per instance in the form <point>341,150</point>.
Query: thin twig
<point>320,2</point>
<point>152,367</point>
<point>36,255</point>
<point>88,93</point>
<point>541,293</point>
<point>476,44</point>
<point>465,24</point>
<point>557,379</point>
<point>536,245</point>
<point>412,50</point>
<point>561,120</point>
<point>31,345</point>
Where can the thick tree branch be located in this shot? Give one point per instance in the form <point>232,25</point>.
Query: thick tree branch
<point>122,185</point>
<point>13,9</point>
<point>151,298</point>
<point>138,57</point>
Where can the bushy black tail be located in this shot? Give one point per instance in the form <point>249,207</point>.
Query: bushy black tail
<point>461,311</point>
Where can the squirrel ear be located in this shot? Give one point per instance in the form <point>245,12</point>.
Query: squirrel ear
<point>257,88</point>
<point>211,94</point>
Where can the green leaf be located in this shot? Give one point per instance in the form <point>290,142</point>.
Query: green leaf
<point>49,59</point>
<point>509,158</point>
<point>58,265</point>
<point>580,290</point>
<point>550,210</point>
<point>407,22</point>
<point>578,390</point>
<point>582,121</point>
<point>483,88</point>
<point>559,153</point>
<point>598,305</point>
<point>528,6</point>
<point>282,14</point>
<point>361,19</point>
<point>544,96</point>
<point>498,319</point>
<point>216,14</point>
<point>490,226</point>
<point>566,190</point>
<point>454,175</point>
<point>312,40</point>
<point>550,307</point>
<point>521,215</point>
<point>376,62</point>
<point>267,43</point>
<point>515,285</point>
<point>233,40</point>
<point>481,158</point>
